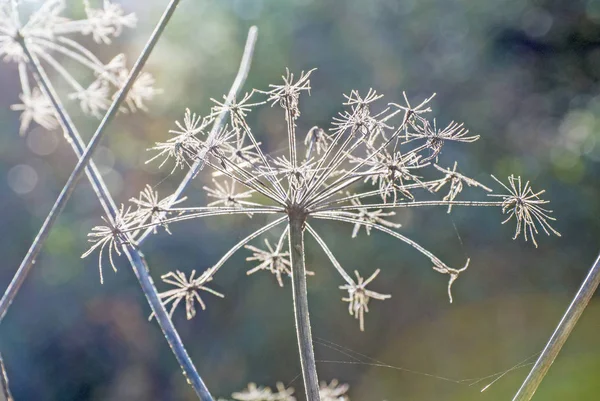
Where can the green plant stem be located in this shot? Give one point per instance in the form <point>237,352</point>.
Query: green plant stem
<point>77,173</point>
<point>137,260</point>
<point>561,333</point>
<point>302,319</point>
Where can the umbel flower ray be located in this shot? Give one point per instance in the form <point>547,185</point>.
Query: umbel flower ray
<point>372,163</point>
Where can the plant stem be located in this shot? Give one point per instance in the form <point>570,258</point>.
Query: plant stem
<point>140,267</point>
<point>137,260</point>
<point>561,333</point>
<point>77,173</point>
<point>71,134</point>
<point>303,332</point>
<point>4,382</point>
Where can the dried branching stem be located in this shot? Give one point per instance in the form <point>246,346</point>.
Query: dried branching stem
<point>561,333</point>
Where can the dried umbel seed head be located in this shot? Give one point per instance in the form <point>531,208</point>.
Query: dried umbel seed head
<point>112,236</point>
<point>47,37</point>
<point>525,206</point>
<point>374,161</point>
<point>188,290</point>
<point>359,297</point>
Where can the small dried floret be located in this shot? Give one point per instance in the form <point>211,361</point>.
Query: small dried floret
<point>334,391</point>
<point>113,235</point>
<point>107,22</point>
<point>393,171</point>
<point>360,119</point>
<point>525,206</point>
<point>370,218</point>
<point>273,260</point>
<point>226,195</point>
<point>151,209</point>
<point>185,145</point>
<point>296,175</point>
<point>187,289</point>
<point>359,297</point>
<point>238,110</point>
<point>253,393</point>
<point>287,95</point>
<point>435,137</point>
<point>456,181</point>
<point>141,91</point>
<point>316,139</point>
<point>354,99</point>
<point>93,99</point>
<point>35,107</point>
<point>410,113</point>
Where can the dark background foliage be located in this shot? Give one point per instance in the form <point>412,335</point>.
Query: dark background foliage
<point>523,74</point>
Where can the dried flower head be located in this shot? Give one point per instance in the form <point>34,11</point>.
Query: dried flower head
<point>525,206</point>
<point>372,165</point>
<point>35,107</point>
<point>112,236</point>
<point>316,139</point>
<point>151,209</point>
<point>225,194</point>
<point>334,391</point>
<point>370,217</point>
<point>48,36</point>
<point>273,260</point>
<point>188,290</point>
<point>185,143</point>
<point>359,297</point>
<point>457,181</point>
<point>288,93</point>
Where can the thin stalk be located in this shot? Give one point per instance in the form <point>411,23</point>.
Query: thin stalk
<point>137,260</point>
<point>560,335</point>
<point>4,388</point>
<point>220,120</point>
<point>303,332</point>
<point>77,173</point>
<point>407,204</point>
<point>72,134</point>
<point>140,267</point>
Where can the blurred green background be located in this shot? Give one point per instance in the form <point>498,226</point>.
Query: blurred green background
<point>523,74</point>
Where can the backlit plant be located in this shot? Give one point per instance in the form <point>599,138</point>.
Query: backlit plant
<point>370,164</point>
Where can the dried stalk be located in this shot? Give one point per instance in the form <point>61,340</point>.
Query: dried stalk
<point>4,382</point>
<point>302,319</point>
<point>560,335</point>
